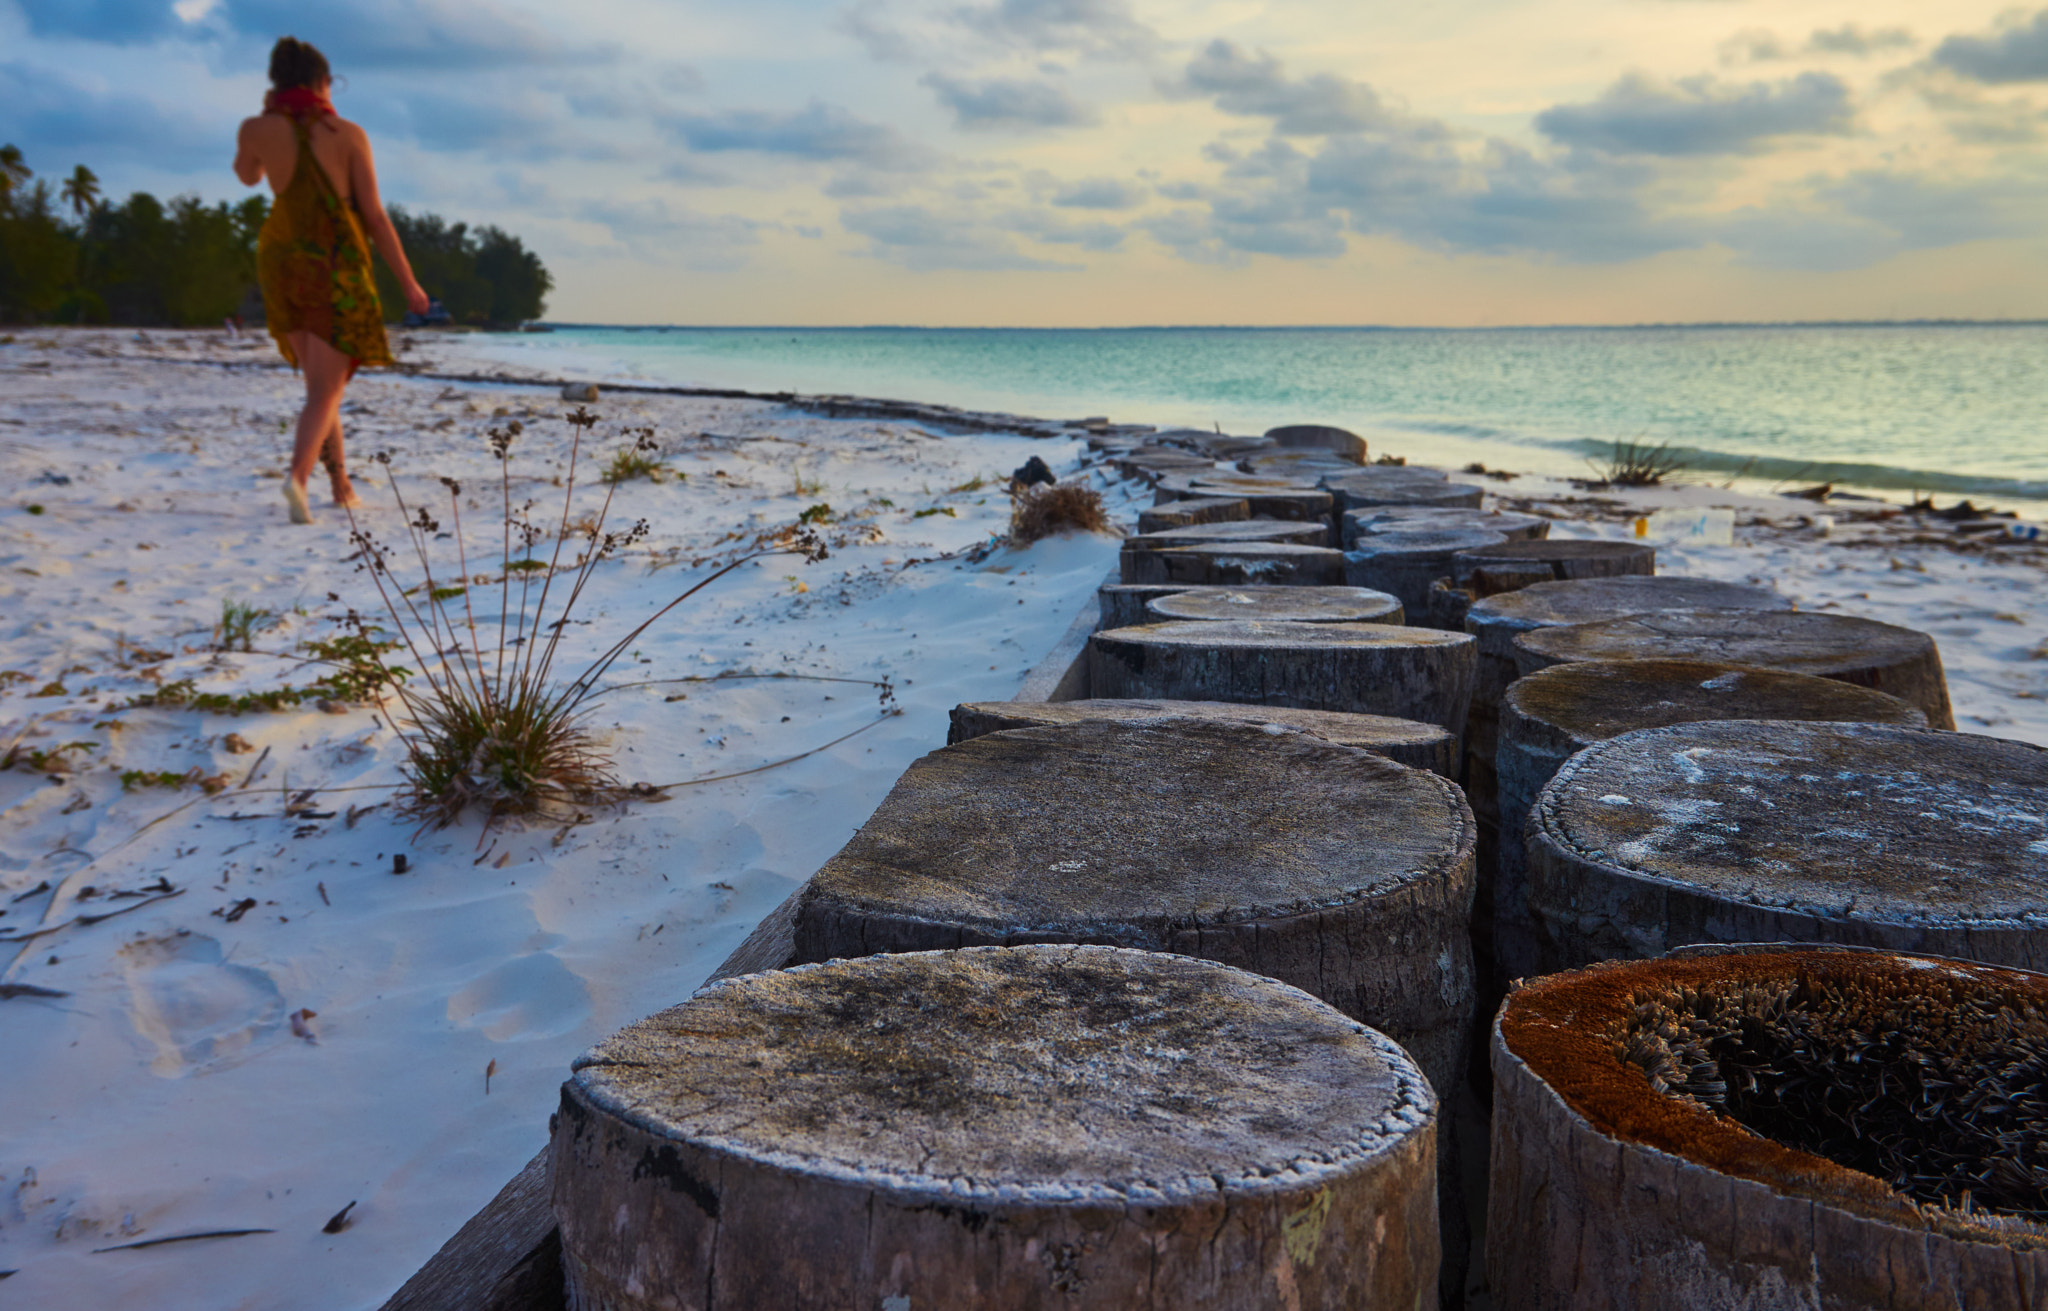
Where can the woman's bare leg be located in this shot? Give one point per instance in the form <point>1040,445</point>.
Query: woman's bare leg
<point>326,371</point>
<point>335,459</point>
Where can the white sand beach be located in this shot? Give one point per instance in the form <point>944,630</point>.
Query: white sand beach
<point>167,1093</point>
<point>261,1023</point>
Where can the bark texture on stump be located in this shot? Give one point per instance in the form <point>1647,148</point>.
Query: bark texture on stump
<point>1379,519</point>
<point>1042,1127</point>
<point>1355,493</point>
<point>1236,564</point>
<point>1320,865</point>
<point>1406,562</point>
<point>1301,533</point>
<point>1377,669</point>
<point>1751,831</point>
<point>1318,436</point>
<point>1491,570</point>
<point>1891,659</point>
<point>1498,620</point>
<point>1123,604</point>
<point>1404,741</point>
<point>1611,1195</point>
<point>1550,716</point>
<point>1183,514</point>
<point>1304,467</point>
<point>1270,499</point>
<point>1306,605</point>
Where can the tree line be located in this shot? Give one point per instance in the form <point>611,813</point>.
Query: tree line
<point>67,255</point>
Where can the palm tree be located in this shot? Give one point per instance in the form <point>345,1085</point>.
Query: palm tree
<point>82,191</point>
<point>14,171</point>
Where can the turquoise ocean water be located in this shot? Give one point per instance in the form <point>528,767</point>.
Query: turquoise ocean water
<point>1954,410</point>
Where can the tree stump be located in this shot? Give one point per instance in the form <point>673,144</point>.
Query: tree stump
<point>1498,620</point>
<point>1552,715</point>
<point>1304,605</point>
<point>1488,571</point>
<point>1153,463</point>
<point>1378,669</point>
<point>1184,514</point>
<point>1448,607</point>
<point>1270,499</point>
<point>1236,565</point>
<point>1814,1173</point>
<point>1405,563</point>
<point>1320,865</point>
<point>1897,660</point>
<point>1319,437</point>
<point>1121,605</point>
<point>1353,492</point>
<point>1403,741</point>
<point>1311,533</point>
<point>1074,1127</point>
<point>1751,831</point>
<point>1378,519</point>
<point>1306,467</point>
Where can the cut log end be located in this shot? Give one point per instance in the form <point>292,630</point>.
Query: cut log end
<point>1001,1125</point>
<point>1746,830</point>
<point>1731,1129</point>
<point>1403,741</point>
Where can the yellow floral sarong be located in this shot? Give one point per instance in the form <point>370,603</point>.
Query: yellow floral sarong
<point>313,264</point>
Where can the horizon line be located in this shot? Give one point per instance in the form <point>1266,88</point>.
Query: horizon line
<point>1697,325</point>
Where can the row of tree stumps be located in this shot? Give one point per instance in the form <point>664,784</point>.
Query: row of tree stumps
<point>1168,996</point>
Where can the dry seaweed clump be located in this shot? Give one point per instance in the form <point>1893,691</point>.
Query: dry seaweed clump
<point>1919,1079</point>
<point>1042,510</point>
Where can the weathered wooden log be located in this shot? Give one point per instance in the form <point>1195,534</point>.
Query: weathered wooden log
<point>1123,604</point>
<point>1752,831</point>
<point>1181,486</point>
<point>1302,605</point>
<point>1378,519</point>
<point>1498,620</point>
<point>1305,467</point>
<point>1448,607</point>
<point>1235,565</point>
<point>1154,463</point>
<point>1320,865</point>
<point>1552,715</point>
<point>1891,659</point>
<point>1405,563</point>
<point>508,1257</point>
<point>1270,500</point>
<point>1403,741</point>
<point>1182,514</point>
<point>1319,437</point>
<point>1355,493</point>
<point>1377,669</point>
<point>1770,1129</point>
<point>1309,533</point>
<point>1489,571</point>
<point>1081,1127</point>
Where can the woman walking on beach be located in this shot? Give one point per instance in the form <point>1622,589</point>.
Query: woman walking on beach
<point>312,259</point>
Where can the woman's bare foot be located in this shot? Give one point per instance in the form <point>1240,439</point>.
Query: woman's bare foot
<point>295,497</point>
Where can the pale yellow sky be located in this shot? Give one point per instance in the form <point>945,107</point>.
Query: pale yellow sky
<point>1088,162</point>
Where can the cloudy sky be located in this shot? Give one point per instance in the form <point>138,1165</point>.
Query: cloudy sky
<point>1089,162</point>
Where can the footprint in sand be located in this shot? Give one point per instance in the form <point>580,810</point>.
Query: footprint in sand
<point>197,1010</point>
<point>532,996</point>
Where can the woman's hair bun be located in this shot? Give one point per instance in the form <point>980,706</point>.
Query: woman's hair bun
<point>295,63</point>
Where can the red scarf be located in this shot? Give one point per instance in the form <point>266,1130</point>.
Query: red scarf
<point>299,102</point>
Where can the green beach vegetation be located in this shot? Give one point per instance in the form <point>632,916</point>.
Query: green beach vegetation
<point>68,255</point>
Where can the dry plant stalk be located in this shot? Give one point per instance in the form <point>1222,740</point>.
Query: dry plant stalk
<point>491,724</point>
<point>1048,508</point>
